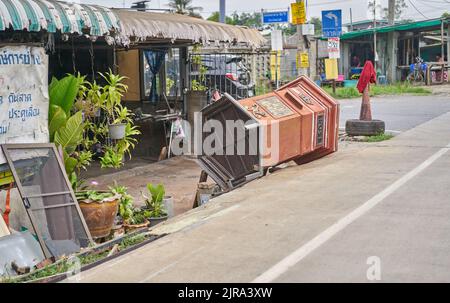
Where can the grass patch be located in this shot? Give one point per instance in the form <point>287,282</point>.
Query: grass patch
<point>378,138</point>
<point>376,90</point>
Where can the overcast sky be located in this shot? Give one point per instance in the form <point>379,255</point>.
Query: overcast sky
<point>429,8</point>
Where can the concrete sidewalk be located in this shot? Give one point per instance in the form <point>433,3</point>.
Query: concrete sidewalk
<point>258,230</point>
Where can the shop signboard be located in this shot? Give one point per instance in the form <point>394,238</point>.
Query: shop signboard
<point>24,98</point>
<point>334,51</point>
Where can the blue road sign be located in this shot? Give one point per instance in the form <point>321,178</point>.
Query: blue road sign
<point>332,23</point>
<point>276,17</point>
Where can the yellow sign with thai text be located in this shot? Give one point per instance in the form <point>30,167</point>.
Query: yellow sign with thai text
<point>275,65</point>
<point>298,12</point>
<point>302,60</point>
<point>331,69</point>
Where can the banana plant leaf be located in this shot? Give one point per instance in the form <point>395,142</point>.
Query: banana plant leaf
<point>70,135</point>
<point>57,120</point>
<point>63,92</point>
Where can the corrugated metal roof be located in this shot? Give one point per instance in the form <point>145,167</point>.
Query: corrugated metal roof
<point>52,16</point>
<point>150,25</point>
<point>391,28</point>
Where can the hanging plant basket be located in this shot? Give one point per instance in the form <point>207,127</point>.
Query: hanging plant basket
<point>117,131</point>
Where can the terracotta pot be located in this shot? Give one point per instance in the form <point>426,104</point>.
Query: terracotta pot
<point>130,228</point>
<point>99,216</point>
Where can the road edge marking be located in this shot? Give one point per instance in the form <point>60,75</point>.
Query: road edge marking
<point>289,261</point>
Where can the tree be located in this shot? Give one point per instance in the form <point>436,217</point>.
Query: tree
<point>216,18</point>
<point>244,19</point>
<point>185,7</point>
<point>400,7</point>
<point>292,29</point>
<point>445,15</point>
<point>317,25</point>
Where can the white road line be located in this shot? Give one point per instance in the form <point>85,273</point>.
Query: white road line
<point>284,265</point>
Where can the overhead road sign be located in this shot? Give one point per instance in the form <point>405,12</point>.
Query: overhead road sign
<point>275,17</point>
<point>332,23</point>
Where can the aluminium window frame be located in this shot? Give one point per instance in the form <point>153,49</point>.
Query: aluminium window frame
<point>6,150</point>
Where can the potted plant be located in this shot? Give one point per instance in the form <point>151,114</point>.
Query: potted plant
<point>154,205</point>
<point>119,124</point>
<point>117,115</point>
<point>126,207</point>
<point>112,158</point>
<point>99,210</point>
<point>139,219</point>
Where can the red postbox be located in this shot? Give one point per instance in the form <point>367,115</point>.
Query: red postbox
<point>299,122</point>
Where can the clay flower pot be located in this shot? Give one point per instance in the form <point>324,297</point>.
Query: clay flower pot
<point>99,215</point>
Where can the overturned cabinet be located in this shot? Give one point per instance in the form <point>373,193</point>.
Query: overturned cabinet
<point>298,122</point>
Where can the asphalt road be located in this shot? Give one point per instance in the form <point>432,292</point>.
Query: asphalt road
<point>400,113</point>
<point>370,212</point>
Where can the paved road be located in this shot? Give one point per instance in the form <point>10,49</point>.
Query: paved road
<point>399,112</point>
<point>370,211</point>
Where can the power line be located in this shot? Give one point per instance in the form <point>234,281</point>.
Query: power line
<point>417,9</point>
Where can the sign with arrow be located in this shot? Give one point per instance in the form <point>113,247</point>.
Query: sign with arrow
<point>332,23</point>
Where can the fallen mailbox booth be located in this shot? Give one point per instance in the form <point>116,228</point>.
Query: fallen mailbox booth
<point>298,122</point>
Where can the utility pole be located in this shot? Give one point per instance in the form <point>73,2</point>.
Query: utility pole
<point>301,46</point>
<point>222,11</point>
<point>391,12</point>
<point>375,59</point>
<point>391,45</point>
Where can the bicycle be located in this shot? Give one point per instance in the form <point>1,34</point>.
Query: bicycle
<point>417,72</point>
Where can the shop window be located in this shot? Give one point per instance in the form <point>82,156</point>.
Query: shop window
<point>153,61</point>
<point>172,71</point>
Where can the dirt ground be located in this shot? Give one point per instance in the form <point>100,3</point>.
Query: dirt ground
<point>439,89</point>
<point>179,175</point>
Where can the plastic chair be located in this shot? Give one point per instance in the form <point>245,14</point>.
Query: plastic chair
<point>382,79</point>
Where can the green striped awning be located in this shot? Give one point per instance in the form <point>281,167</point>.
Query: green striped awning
<point>52,16</point>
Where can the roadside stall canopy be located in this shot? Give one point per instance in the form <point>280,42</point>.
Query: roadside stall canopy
<point>413,26</point>
<point>147,26</point>
<point>53,16</point>
<point>125,25</point>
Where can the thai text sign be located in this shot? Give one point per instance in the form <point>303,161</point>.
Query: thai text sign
<point>334,51</point>
<point>298,12</point>
<point>275,17</point>
<point>24,99</point>
<point>302,60</point>
<point>332,23</point>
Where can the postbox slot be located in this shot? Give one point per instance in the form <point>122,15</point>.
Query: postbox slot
<point>320,130</point>
<point>294,98</point>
